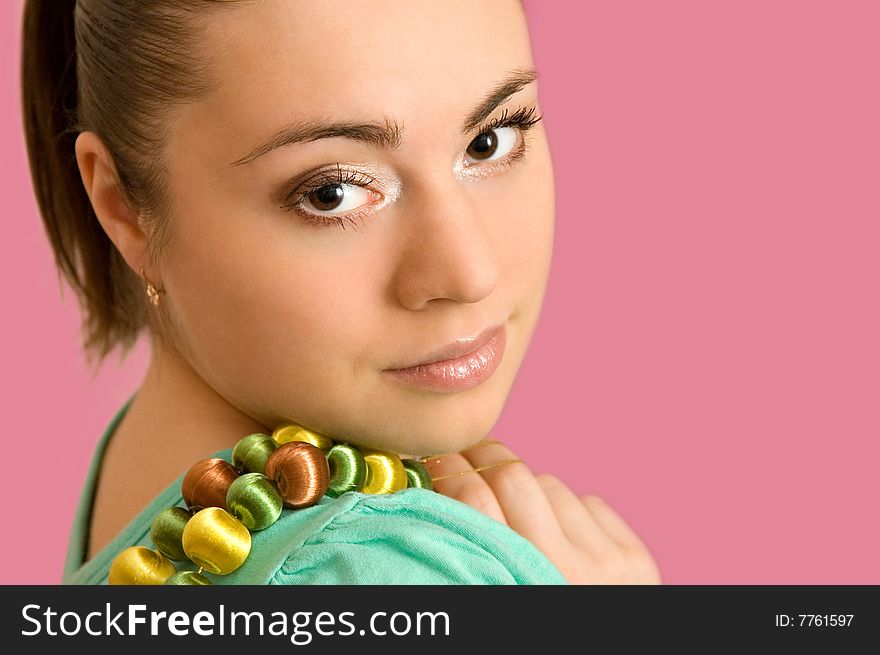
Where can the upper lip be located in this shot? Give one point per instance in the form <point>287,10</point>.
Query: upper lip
<point>457,348</point>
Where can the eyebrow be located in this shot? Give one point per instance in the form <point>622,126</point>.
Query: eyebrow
<point>386,134</point>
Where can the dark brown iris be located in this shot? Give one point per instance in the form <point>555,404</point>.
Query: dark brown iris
<point>327,197</point>
<point>484,146</point>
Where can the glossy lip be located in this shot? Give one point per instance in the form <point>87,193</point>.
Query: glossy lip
<point>458,366</point>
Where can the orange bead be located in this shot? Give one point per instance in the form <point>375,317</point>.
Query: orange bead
<point>301,472</point>
<point>206,483</point>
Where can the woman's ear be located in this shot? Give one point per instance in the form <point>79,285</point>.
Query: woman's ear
<point>121,224</point>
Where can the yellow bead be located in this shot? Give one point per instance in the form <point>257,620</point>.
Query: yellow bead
<point>385,472</point>
<point>293,432</point>
<point>216,541</point>
<point>140,565</point>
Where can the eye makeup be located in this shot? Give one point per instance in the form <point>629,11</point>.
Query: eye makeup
<point>368,177</point>
<point>523,119</point>
<point>375,183</point>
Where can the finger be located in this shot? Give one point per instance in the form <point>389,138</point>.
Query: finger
<point>469,488</point>
<point>520,496</point>
<point>611,522</point>
<point>576,520</point>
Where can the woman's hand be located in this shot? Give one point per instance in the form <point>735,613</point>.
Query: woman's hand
<point>586,539</point>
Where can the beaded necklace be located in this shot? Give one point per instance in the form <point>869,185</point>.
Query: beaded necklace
<point>293,467</point>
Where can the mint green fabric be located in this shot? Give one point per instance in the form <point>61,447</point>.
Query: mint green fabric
<point>413,536</point>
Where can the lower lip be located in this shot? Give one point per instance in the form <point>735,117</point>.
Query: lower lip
<point>459,374</point>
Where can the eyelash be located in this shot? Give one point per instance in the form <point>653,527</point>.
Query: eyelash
<point>523,118</point>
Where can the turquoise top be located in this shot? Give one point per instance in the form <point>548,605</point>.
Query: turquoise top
<point>413,536</point>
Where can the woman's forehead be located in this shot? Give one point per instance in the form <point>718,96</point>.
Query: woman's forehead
<point>342,50</point>
<point>278,62</point>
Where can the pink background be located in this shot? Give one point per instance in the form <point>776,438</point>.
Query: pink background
<point>708,357</point>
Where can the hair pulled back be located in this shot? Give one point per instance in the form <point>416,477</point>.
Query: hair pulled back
<point>117,68</point>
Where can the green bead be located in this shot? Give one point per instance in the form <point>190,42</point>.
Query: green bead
<point>250,454</point>
<point>167,532</point>
<point>188,578</point>
<point>348,469</point>
<point>417,475</point>
<point>254,500</point>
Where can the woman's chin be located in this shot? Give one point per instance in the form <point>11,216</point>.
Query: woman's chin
<point>445,439</point>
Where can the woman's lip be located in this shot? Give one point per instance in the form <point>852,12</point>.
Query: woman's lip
<point>456,349</point>
<point>460,373</point>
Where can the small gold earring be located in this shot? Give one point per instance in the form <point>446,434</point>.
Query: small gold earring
<point>152,291</point>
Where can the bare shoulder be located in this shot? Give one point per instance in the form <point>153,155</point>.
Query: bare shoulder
<point>130,477</point>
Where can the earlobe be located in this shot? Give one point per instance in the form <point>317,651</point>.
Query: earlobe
<point>119,221</point>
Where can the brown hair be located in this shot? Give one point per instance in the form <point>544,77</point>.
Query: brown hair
<point>117,68</point>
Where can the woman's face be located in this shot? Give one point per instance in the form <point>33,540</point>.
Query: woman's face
<point>289,316</point>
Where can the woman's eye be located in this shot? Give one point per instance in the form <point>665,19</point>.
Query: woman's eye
<point>339,198</point>
<point>492,144</point>
<point>343,197</point>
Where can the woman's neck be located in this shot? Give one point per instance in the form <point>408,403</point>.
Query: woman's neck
<point>184,416</point>
<point>174,420</point>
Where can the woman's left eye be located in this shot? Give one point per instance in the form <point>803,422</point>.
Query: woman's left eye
<point>492,145</point>
<point>503,141</point>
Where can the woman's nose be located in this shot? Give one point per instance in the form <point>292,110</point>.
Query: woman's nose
<point>448,251</point>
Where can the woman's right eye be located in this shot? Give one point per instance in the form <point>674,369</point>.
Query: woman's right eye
<point>339,198</point>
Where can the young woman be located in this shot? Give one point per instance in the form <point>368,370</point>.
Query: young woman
<point>336,215</point>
